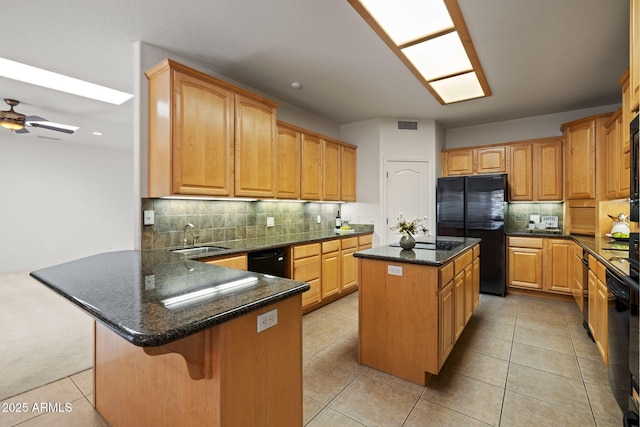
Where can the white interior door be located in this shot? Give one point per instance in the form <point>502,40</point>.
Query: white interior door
<point>408,190</point>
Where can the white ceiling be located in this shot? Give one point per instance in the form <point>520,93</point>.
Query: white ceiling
<point>539,57</point>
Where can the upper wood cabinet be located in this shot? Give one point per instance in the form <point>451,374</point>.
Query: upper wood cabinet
<point>197,126</point>
<point>287,162</point>
<point>311,168</point>
<point>634,55</point>
<point>626,111</point>
<point>535,170</point>
<point>491,160</point>
<point>478,160</point>
<point>581,137</point>
<point>348,174</point>
<point>190,133</point>
<point>617,162</point>
<point>331,164</point>
<point>255,126</point>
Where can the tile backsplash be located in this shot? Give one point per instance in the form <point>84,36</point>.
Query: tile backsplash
<point>518,214</point>
<point>220,221</point>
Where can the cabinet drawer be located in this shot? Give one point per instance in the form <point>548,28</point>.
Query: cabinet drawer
<point>365,240</point>
<point>446,274</point>
<point>476,251</point>
<point>601,272</point>
<point>525,242</point>
<point>462,261</point>
<point>593,264</point>
<point>331,246</point>
<point>307,269</point>
<point>304,251</point>
<point>349,242</point>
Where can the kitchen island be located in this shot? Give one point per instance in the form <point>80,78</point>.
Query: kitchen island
<point>414,304</point>
<point>180,342</point>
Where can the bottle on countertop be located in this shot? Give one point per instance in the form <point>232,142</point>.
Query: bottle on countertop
<point>338,220</point>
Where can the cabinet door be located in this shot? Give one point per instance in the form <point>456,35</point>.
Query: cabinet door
<point>601,320</point>
<point>447,308</point>
<point>558,266</point>
<point>492,160</point>
<point>202,147</point>
<point>310,168</point>
<point>312,296</point>
<point>237,261</point>
<point>612,154</point>
<point>577,287</point>
<point>255,127</point>
<point>548,171</point>
<point>348,193</point>
<point>624,178</point>
<point>459,162</point>
<point>521,172</point>
<point>458,312</point>
<point>476,282</point>
<point>525,267</point>
<point>592,291</point>
<point>330,275</point>
<point>580,161</point>
<point>287,163</point>
<point>331,163</point>
<point>468,293</point>
<point>349,269</point>
<point>634,55</point>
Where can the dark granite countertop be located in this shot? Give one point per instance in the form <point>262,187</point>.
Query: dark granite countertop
<point>611,253</point>
<point>264,243</point>
<point>431,257</point>
<point>130,292</point>
<point>555,234</point>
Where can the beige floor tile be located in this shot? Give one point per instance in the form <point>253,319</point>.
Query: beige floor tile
<point>477,366</point>
<point>330,418</point>
<point>427,413</point>
<point>491,327</point>
<point>544,324</point>
<point>342,352</point>
<point>314,341</point>
<point>373,403</point>
<point>468,396</point>
<point>544,339</point>
<point>603,403</point>
<point>540,306</point>
<point>322,380</point>
<point>546,360</point>
<point>81,414</point>
<point>63,391</point>
<point>310,408</point>
<point>331,324</point>
<point>399,383</point>
<point>550,388</point>
<point>84,381</point>
<point>593,371</point>
<point>524,411</point>
<point>485,344</point>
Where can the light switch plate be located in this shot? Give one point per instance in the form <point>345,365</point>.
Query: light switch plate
<point>319,219</point>
<point>270,221</point>
<point>148,217</point>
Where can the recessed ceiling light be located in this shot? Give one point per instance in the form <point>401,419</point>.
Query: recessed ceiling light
<point>97,133</point>
<point>431,38</point>
<point>296,85</point>
<point>37,76</point>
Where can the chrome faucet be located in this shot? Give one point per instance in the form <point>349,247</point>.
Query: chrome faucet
<point>184,238</point>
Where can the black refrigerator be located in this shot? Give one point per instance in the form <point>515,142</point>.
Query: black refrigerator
<point>474,206</point>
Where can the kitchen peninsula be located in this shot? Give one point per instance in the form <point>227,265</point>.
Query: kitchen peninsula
<point>414,304</point>
<point>181,342</point>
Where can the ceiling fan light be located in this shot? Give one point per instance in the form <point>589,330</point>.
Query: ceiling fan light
<point>11,124</point>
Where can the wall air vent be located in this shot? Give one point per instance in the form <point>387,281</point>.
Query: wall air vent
<point>407,125</point>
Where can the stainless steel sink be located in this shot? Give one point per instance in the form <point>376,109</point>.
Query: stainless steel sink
<point>200,250</point>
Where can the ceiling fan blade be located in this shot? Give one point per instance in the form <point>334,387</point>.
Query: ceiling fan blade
<point>23,130</point>
<point>38,125</point>
<point>35,119</point>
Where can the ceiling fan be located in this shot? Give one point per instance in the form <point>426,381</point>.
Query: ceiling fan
<point>17,122</point>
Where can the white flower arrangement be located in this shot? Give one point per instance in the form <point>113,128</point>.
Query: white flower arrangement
<point>412,227</point>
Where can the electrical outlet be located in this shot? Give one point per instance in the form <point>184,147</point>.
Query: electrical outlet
<point>394,270</point>
<point>270,221</point>
<point>534,218</point>
<point>267,320</point>
<point>148,218</point>
<point>149,282</point>
<point>319,219</point>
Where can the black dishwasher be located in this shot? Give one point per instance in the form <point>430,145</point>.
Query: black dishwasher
<point>270,261</point>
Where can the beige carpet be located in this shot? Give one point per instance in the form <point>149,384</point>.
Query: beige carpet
<point>43,336</point>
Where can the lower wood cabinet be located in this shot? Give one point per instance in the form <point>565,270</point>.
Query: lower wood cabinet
<point>306,268</point>
<point>238,262</point>
<point>599,300</point>
<point>330,272</point>
<point>349,279</point>
<point>540,264</point>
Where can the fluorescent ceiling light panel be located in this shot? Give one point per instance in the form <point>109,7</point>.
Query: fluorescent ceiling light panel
<point>39,77</point>
<point>439,57</point>
<point>408,20</point>
<point>458,88</point>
